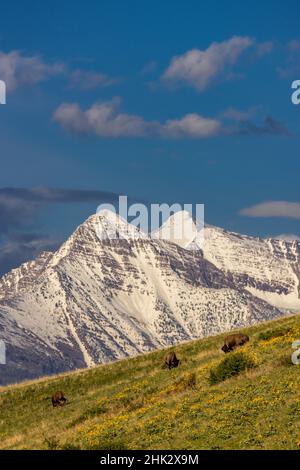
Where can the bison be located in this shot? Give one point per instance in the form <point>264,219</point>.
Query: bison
<point>233,341</point>
<point>58,399</point>
<point>171,360</point>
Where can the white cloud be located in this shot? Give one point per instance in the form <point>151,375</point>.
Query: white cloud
<point>273,209</point>
<point>199,67</point>
<point>104,120</point>
<point>288,237</point>
<point>18,70</point>
<point>192,125</point>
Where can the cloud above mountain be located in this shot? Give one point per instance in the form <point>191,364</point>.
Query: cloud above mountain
<point>18,70</point>
<point>288,237</point>
<point>23,247</point>
<point>252,122</point>
<point>19,205</point>
<point>270,126</point>
<point>19,208</point>
<point>41,194</point>
<point>273,209</point>
<point>105,120</point>
<point>198,68</point>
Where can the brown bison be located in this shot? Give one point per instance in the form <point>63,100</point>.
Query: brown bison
<point>233,341</point>
<point>58,399</point>
<point>171,360</point>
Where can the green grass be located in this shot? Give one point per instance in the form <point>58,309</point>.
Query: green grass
<point>273,333</point>
<point>139,404</point>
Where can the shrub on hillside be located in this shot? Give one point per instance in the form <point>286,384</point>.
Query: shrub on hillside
<point>232,365</point>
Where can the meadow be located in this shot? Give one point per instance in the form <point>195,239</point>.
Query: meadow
<point>139,404</point>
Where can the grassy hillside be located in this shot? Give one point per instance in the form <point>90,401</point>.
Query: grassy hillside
<point>137,404</point>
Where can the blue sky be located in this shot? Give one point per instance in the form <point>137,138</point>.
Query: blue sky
<point>168,101</point>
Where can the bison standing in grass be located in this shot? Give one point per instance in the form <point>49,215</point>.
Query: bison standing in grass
<point>171,360</point>
<point>58,399</point>
<point>233,341</point>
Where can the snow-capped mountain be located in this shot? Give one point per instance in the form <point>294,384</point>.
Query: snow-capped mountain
<point>181,229</point>
<point>269,269</point>
<point>112,291</point>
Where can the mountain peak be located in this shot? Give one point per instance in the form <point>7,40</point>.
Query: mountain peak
<point>108,224</point>
<point>181,229</point>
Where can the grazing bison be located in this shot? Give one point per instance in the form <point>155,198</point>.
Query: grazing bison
<point>171,360</point>
<point>233,341</point>
<point>58,399</point>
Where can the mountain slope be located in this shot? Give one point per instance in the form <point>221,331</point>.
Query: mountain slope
<point>136,404</point>
<point>269,269</point>
<point>99,299</point>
